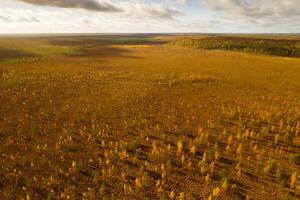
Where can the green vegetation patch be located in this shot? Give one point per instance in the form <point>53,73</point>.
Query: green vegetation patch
<point>10,83</point>
<point>50,50</point>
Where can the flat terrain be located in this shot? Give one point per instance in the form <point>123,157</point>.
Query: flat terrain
<point>136,117</point>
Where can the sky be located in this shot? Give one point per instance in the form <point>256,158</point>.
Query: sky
<point>149,16</point>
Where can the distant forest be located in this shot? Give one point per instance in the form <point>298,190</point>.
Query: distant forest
<point>277,47</point>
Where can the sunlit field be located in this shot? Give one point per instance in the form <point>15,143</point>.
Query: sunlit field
<point>145,117</point>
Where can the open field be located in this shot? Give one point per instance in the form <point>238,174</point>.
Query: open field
<point>137,117</point>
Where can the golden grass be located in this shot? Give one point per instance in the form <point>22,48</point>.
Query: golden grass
<point>149,121</point>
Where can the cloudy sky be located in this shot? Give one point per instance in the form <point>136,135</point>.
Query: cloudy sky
<point>119,16</point>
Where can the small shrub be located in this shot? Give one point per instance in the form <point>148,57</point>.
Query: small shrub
<point>295,158</point>
<point>280,178</point>
<point>186,132</point>
<point>224,181</point>
<point>179,146</point>
<point>172,194</point>
<point>132,145</point>
<point>211,152</point>
<point>288,138</point>
<point>286,197</point>
<point>269,166</point>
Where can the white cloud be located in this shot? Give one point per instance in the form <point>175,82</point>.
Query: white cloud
<point>133,9</point>
<point>183,2</point>
<point>11,15</point>
<point>152,10</point>
<point>256,11</point>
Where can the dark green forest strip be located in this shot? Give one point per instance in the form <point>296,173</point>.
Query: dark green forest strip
<point>276,47</point>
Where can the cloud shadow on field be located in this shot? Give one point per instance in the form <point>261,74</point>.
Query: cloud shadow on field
<point>103,46</point>
<point>102,52</point>
<point>7,54</point>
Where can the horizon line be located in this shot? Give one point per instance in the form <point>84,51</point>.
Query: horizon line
<point>106,33</point>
